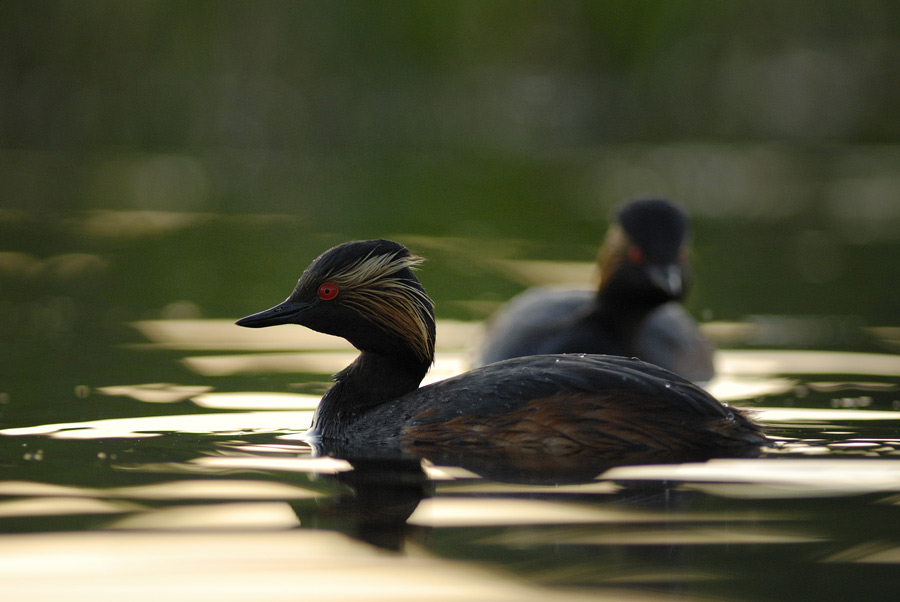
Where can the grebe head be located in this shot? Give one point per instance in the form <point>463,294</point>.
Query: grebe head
<point>365,292</point>
<point>646,251</point>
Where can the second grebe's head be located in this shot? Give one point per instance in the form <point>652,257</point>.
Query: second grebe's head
<point>646,251</point>
<point>365,292</point>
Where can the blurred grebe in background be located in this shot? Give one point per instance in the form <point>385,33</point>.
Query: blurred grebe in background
<point>566,405</point>
<point>644,273</point>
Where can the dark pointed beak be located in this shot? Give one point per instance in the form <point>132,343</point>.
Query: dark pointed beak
<point>287,312</point>
<point>667,278</point>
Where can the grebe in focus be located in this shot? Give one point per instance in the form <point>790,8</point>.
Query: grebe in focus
<point>576,406</point>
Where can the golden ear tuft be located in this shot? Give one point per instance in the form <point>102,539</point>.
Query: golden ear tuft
<point>372,287</point>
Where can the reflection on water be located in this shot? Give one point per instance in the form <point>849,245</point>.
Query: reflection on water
<point>705,529</point>
<point>155,392</point>
<point>312,352</point>
<point>222,515</point>
<point>237,566</point>
<point>154,426</point>
<point>164,459</point>
<point>224,490</point>
<point>771,362</point>
<point>769,477</point>
<point>222,335</point>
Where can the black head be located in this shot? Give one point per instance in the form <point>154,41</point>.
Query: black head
<point>657,226</point>
<point>365,292</point>
<point>646,250</point>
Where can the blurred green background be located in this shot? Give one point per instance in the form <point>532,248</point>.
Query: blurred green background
<point>166,159</point>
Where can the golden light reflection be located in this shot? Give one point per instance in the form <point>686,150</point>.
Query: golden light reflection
<point>256,515</point>
<point>281,350</point>
<point>224,335</point>
<point>484,487</point>
<point>155,392</point>
<point>869,553</point>
<point>31,488</point>
<point>485,512</point>
<point>452,334</point>
<point>732,388</point>
<point>275,565</point>
<point>62,506</point>
<point>804,417</point>
<point>210,489</point>
<point>741,373</point>
<point>273,448</point>
<point>321,465</point>
<point>548,273</point>
<point>447,473</point>
<point>149,426</point>
<point>328,363</point>
<point>773,478</point>
<point>128,224</point>
<point>257,401</point>
<point>309,362</point>
<point>682,536</point>
<point>66,266</point>
<point>770,362</point>
<point>889,335</point>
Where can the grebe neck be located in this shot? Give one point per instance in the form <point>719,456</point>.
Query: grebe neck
<point>620,314</point>
<point>372,379</point>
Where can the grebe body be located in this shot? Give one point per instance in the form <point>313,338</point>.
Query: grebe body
<point>569,405</point>
<point>636,311</point>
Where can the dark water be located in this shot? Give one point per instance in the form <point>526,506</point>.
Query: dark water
<point>149,446</point>
<point>166,167</point>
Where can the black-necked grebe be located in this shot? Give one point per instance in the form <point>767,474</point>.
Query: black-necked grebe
<point>563,405</point>
<point>636,311</point>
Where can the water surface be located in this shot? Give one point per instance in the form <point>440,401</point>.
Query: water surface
<point>149,445</point>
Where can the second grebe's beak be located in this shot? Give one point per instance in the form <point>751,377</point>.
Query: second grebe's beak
<point>668,278</point>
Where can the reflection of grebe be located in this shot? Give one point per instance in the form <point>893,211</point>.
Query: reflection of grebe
<point>563,405</point>
<point>644,273</point>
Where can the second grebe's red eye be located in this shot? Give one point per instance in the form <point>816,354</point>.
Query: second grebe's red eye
<point>328,291</point>
<point>635,255</point>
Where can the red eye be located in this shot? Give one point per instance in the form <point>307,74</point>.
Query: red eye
<point>328,291</point>
<point>635,255</point>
